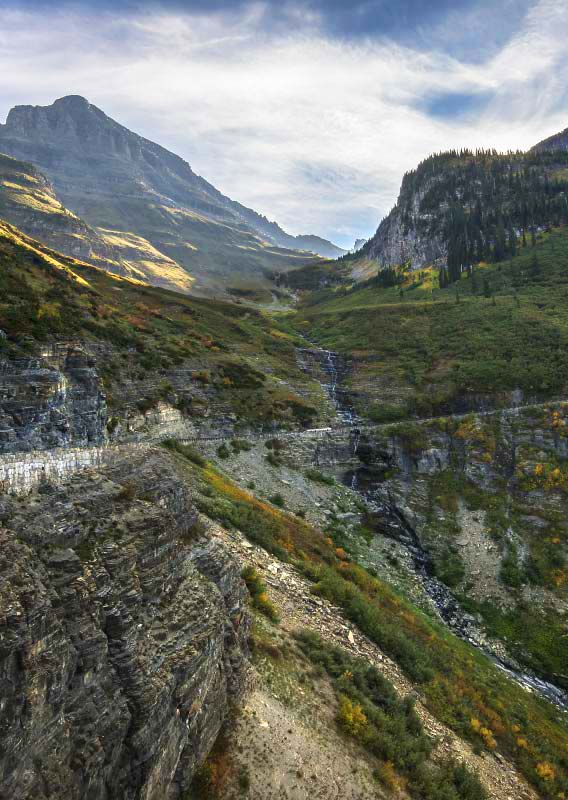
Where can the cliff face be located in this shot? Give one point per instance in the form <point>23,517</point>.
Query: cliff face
<point>405,234</point>
<point>470,207</point>
<point>486,498</point>
<point>53,400</point>
<point>122,637</point>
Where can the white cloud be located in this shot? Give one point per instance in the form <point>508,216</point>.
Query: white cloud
<point>312,131</point>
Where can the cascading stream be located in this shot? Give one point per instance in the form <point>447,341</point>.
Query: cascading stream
<point>449,610</point>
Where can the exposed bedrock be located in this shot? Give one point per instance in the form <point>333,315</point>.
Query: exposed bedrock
<point>123,636</point>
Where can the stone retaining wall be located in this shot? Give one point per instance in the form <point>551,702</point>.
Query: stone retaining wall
<point>21,472</point>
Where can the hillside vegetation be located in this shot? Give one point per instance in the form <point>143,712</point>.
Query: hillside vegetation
<point>461,207</point>
<point>459,685</point>
<point>144,335</point>
<point>425,349</point>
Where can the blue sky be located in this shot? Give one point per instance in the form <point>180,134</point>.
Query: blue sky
<point>308,112</point>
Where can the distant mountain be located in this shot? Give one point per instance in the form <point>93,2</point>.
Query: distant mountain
<point>122,184</point>
<point>28,200</point>
<point>559,141</point>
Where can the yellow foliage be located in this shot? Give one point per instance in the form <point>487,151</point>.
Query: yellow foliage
<point>545,770</point>
<point>488,739</point>
<point>521,742</point>
<point>389,777</point>
<point>351,717</point>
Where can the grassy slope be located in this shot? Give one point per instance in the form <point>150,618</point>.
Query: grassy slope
<point>460,686</point>
<point>217,253</point>
<point>27,200</point>
<point>148,331</point>
<point>418,353</point>
<point>430,349</point>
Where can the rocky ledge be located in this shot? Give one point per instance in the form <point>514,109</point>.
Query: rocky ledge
<point>123,636</point>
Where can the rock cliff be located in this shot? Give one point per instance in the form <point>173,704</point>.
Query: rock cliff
<point>405,234</point>
<point>484,499</point>
<point>123,631</point>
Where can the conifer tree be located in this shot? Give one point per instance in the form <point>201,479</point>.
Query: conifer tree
<point>535,266</point>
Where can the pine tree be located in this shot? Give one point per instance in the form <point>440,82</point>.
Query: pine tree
<point>473,281</point>
<point>535,266</point>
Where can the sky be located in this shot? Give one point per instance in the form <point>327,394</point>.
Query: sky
<point>308,112</point>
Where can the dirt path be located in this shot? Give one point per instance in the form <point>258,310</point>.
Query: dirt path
<point>298,608</point>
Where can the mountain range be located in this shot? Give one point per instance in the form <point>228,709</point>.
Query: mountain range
<point>125,200</point>
<point>249,553</point>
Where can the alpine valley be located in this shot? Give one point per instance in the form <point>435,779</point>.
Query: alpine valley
<point>279,520</point>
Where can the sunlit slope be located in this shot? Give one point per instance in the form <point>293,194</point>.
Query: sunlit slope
<point>147,337</point>
<point>27,200</point>
<point>117,180</point>
<point>427,350</point>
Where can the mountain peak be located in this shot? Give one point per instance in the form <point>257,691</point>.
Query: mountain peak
<point>90,158</point>
<point>558,141</point>
<point>72,102</point>
<point>70,117</point>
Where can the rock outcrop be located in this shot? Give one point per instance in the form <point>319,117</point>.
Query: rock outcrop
<point>53,400</point>
<point>405,235</point>
<point>123,637</point>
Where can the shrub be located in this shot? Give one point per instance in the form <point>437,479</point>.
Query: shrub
<point>244,779</point>
<point>204,376</point>
<point>370,711</point>
<point>185,450</point>
<point>319,477</point>
<point>277,500</point>
<point>127,493</point>
<point>273,460</point>
<point>240,445</point>
<point>387,412</point>
<point>223,451</point>
<point>259,593</point>
<point>146,404</point>
<point>351,718</point>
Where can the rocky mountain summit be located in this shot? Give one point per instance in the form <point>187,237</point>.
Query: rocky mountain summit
<point>124,185</point>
